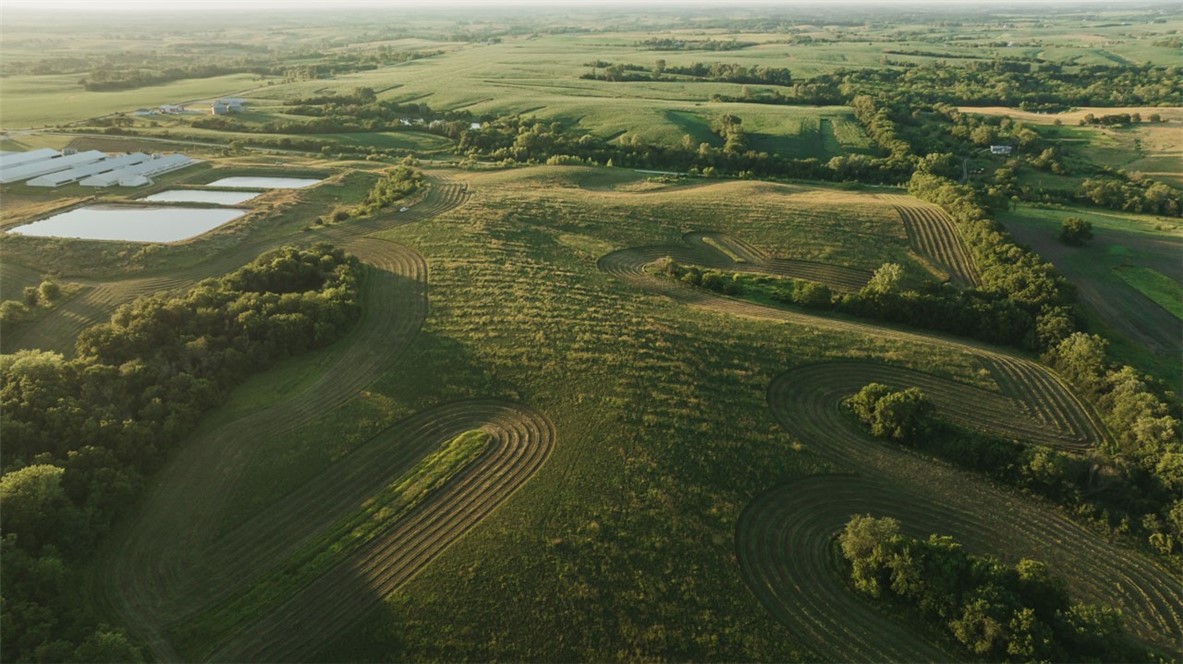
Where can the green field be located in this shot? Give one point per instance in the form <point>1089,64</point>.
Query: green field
<point>533,439</point>
<point>43,101</point>
<point>523,310</point>
<point>1161,289</point>
<point>1115,301</point>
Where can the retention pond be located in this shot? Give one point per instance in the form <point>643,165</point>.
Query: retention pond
<point>132,223</point>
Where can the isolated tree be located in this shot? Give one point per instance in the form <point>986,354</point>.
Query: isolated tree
<point>32,296</point>
<point>885,281</point>
<point>1076,231</point>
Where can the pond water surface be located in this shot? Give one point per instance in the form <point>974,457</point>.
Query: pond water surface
<point>201,196</point>
<point>130,222</point>
<point>245,182</point>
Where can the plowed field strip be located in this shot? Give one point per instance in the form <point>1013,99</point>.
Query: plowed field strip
<point>932,234</point>
<point>697,251</point>
<point>172,532</point>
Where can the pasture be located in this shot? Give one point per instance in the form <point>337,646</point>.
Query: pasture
<point>1131,258</point>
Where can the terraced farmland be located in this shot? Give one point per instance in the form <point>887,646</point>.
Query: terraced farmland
<point>599,385</point>
<point>784,537</point>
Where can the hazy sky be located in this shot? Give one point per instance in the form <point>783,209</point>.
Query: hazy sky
<point>223,5</point>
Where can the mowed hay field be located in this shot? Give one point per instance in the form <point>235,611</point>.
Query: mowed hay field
<point>652,414</point>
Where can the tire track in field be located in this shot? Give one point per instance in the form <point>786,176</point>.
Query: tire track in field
<point>721,251</point>
<point>784,537</point>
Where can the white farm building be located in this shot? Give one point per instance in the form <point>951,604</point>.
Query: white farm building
<point>78,172</point>
<point>228,105</point>
<point>10,159</point>
<point>32,169</point>
<point>139,174</point>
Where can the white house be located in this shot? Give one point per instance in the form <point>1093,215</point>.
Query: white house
<point>1002,149</point>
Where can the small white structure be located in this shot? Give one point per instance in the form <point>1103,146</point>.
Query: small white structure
<point>34,169</point>
<point>78,172</point>
<point>1002,149</point>
<point>228,105</point>
<point>474,126</point>
<point>171,109</point>
<point>140,174</point>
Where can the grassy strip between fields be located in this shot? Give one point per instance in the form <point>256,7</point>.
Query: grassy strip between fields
<point>195,637</point>
<point>1161,289</point>
<point>715,244</point>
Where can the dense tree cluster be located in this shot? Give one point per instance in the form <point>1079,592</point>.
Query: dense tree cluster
<point>1133,194</point>
<point>80,434</point>
<point>1134,493</point>
<point>892,414</point>
<point>977,314</point>
<point>1146,448</point>
<point>994,611</point>
<point>359,111</point>
<point>1003,83</point>
<point>108,76</point>
<point>524,140</point>
<point>394,185</point>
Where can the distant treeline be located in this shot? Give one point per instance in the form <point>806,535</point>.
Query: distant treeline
<point>670,44</point>
<point>110,76</point>
<point>715,71</point>
<point>81,434</point>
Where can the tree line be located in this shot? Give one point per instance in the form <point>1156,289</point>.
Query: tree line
<point>81,434</point>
